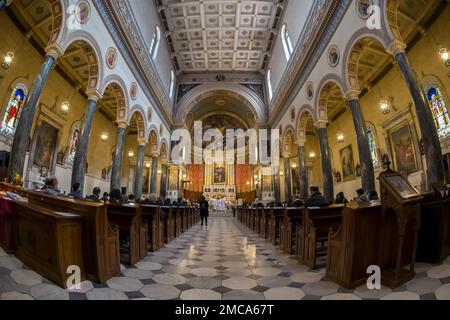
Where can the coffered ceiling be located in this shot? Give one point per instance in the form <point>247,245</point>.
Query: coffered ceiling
<point>226,35</point>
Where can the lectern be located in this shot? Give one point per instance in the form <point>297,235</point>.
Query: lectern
<point>400,221</point>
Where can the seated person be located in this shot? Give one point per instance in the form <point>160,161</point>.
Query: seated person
<point>76,194</point>
<point>95,194</point>
<point>340,198</point>
<point>131,199</point>
<point>298,203</point>
<point>373,196</point>
<point>317,199</point>
<point>167,202</point>
<point>51,186</point>
<point>361,196</point>
<point>105,197</point>
<point>152,200</point>
<point>115,196</point>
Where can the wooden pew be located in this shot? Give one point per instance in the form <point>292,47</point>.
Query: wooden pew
<point>354,246</point>
<point>178,221</point>
<point>129,221</point>
<point>155,227</point>
<point>292,218</point>
<point>252,218</point>
<point>312,236</point>
<point>276,218</point>
<point>170,222</point>
<point>100,241</point>
<point>48,242</point>
<point>184,214</point>
<point>264,223</point>
<point>258,218</point>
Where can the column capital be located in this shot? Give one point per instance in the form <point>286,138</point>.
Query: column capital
<point>155,154</point>
<point>93,95</point>
<point>352,94</point>
<point>300,142</point>
<point>321,124</point>
<point>54,50</point>
<point>122,124</point>
<point>286,155</point>
<point>142,143</point>
<point>396,47</point>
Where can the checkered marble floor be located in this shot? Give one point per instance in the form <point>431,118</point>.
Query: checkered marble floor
<point>223,261</point>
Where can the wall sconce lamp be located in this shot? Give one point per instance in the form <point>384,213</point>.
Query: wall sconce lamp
<point>312,154</point>
<point>104,137</point>
<point>7,60</point>
<point>443,52</point>
<point>130,154</point>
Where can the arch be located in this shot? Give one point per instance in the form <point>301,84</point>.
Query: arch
<point>286,144</point>
<point>119,88</point>
<point>57,7</point>
<point>164,150</point>
<point>302,120</point>
<point>390,19</point>
<point>140,120</point>
<point>323,93</point>
<point>93,55</point>
<point>353,53</point>
<point>204,91</point>
<point>154,45</point>
<point>153,139</point>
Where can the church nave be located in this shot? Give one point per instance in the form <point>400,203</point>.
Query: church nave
<point>223,261</point>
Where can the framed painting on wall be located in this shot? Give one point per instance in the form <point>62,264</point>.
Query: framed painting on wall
<point>348,165</point>
<point>403,150</point>
<point>45,146</point>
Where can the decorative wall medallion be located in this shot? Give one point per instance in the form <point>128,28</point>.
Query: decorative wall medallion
<point>362,8</point>
<point>333,56</point>
<point>309,90</point>
<point>82,12</point>
<point>133,91</point>
<point>111,58</point>
<point>293,115</point>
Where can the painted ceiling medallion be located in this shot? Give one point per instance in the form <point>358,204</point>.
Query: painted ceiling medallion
<point>363,8</point>
<point>309,90</point>
<point>111,58</point>
<point>82,11</point>
<point>133,91</point>
<point>333,56</point>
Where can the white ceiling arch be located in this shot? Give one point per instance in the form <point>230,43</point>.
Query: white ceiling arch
<point>193,97</point>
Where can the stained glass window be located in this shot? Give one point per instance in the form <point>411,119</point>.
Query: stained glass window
<point>269,84</point>
<point>74,142</point>
<point>440,112</point>
<point>287,43</point>
<point>154,44</point>
<point>13,112</point>
<point>373,146</point>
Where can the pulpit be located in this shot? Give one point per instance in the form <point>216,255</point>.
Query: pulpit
<point>399,227</point>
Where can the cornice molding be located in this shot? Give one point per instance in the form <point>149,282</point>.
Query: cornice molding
<point>117,18</point>
<point>318,31</point>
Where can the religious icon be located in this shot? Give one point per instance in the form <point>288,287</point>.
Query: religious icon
<point>338,176</point>
<point>111,58</point>
<point>82,12</point>
<point>403,150</point>
<point>60,158</point>
<point>133,91</point>
<point>348,169</point>
<point>219,174</point>
<point>45,146</point>
<point>358,171</point>
<point>104,175</point>
<point>333,56</point>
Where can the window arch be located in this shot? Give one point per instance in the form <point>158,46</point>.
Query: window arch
<point>372,137</point>
<point>154,45</point>
<point>13,110</point>
<point>287,42</point>
<point>269,84</point>
<point>172,83</point>
<point>440,111</point>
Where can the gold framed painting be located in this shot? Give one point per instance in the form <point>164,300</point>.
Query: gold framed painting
<point>403,149</point>
<point>348,164</point>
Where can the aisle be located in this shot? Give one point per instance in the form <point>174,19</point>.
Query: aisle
<point>223,261</point>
